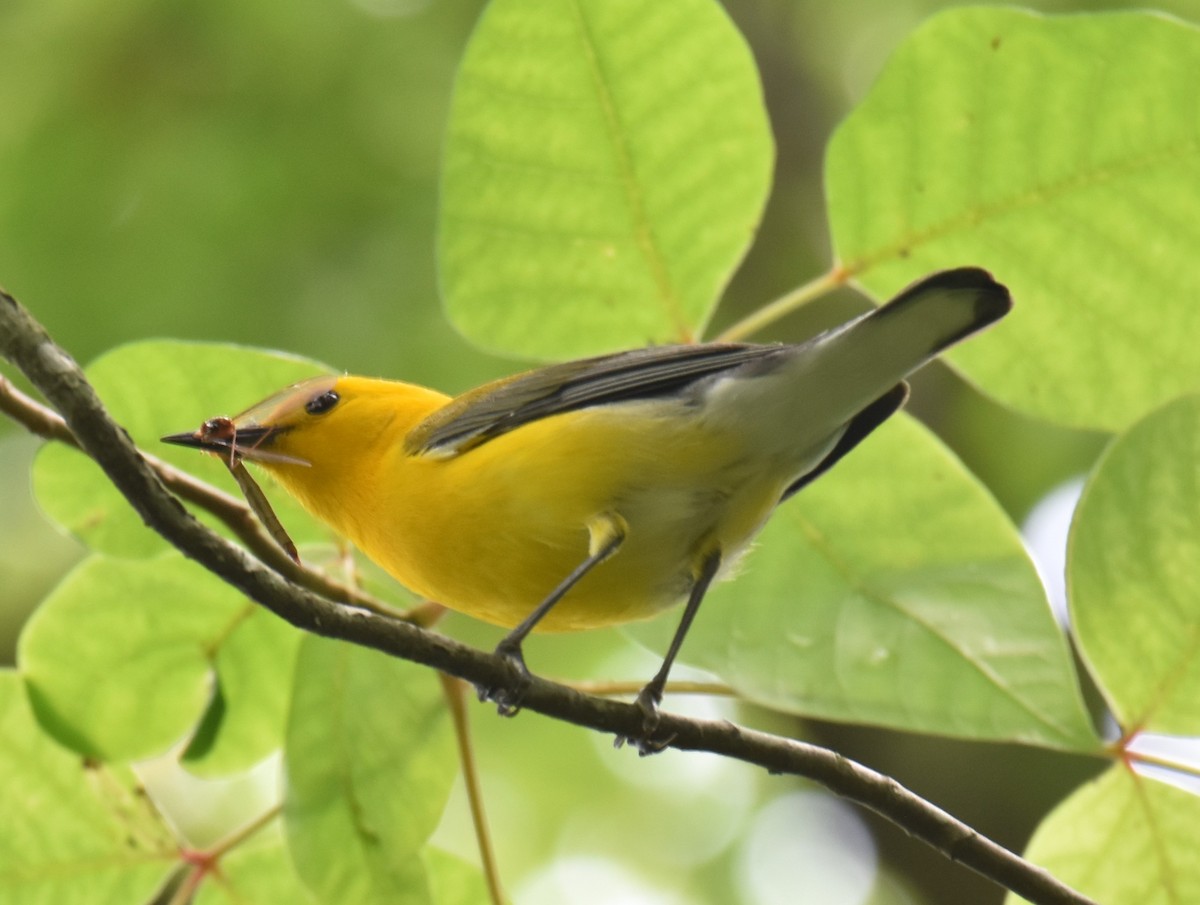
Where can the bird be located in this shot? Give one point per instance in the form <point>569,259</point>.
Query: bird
<point>598,491</point>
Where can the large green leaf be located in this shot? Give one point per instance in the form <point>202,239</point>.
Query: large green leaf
<point>73,834</point>
<point>1061,153</point>
<point>1132,572</point>
<point>605,170</point>
<point>1123,839</point>
<point>369,758</point>
<point>154,388</point>
<point>894,591</point>
<point>119,661</point>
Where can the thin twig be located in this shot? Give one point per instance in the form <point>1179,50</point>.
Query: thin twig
<point>231,511</point>
<point>609,689</point>
<point>33,416</point>
<point>25,343</point>
<point>455,691</point>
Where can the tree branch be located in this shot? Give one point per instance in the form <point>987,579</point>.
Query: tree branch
<point>26,344</point>
<point>231,511</point>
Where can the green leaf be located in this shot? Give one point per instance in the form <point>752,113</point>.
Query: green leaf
<point>894,591</point>
<point>255,875</point>
<point>453,881</point>
<point>254,671</point>
<point>119,660</point>
<point>606,167</point>
<point>1131,571</point>
<point>1123,839</point>
<point>74,834</point>
<point>155,388</point>
<point>1062,154</point>
<point>369,759</point>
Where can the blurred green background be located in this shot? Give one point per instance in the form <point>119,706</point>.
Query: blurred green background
<point>267,174</point>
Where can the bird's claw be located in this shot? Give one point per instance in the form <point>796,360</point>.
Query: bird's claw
<point>647,702</point>
<point>508,696</point>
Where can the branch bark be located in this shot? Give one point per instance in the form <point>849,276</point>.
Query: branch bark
<point>235,514</point>
<point>25,343</point>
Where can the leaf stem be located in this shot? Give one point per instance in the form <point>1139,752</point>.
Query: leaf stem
<point>785,304</point>
<point>1161,761</point>
<point>188,886</point>
<point>455,690</point>
<point>240,835</point>
<point>609,689</point>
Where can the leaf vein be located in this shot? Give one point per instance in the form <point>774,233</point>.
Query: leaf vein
<point>643,232</point>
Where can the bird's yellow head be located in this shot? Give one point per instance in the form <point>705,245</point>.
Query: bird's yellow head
<point>329,441</point>
<point>320,430</point>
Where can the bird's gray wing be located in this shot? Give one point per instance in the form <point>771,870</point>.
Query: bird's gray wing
<point>496,408</point>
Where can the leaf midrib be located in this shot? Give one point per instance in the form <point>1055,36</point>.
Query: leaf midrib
<point>643,234</point>
<point>817,538</point>
<point>975,216</point>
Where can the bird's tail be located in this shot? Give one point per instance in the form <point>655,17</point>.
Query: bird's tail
<point>926,318</point>
<point>869,355</point>
<point>813,389</point>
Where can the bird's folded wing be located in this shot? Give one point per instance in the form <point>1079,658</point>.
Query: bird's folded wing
<point>502,406</point>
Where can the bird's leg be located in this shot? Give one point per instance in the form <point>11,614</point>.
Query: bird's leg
<point>607,532</point>
<point>651,695</point>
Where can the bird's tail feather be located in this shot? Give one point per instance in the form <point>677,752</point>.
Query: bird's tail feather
<point>810,391</point>
<point>859,361</point>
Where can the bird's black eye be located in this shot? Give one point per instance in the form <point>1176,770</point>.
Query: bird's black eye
<point>321,403</point>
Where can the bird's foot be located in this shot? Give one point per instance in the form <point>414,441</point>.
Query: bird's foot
<point>646,741</point>
<point>507,696</point>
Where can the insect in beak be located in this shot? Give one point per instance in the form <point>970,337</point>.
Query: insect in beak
<point>222,435</point>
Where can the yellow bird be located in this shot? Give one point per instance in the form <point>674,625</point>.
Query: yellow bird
<point>598,491</point>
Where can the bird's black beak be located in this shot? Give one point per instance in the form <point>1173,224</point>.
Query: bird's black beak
<point>193,440</point>
<point>246,440</point>
<point>221,435</point>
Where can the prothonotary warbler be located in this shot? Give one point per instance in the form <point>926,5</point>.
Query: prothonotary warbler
<point>597,491</point>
